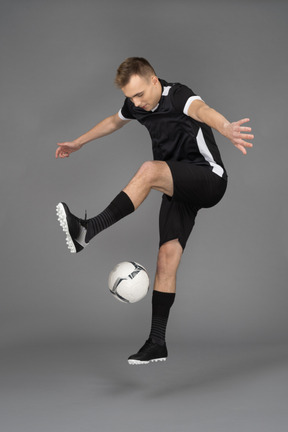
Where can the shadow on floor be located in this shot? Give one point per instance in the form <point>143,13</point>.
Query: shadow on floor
<point>104,365</point>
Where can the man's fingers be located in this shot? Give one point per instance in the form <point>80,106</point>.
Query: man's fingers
<point>239,132</point>
<point>239,135</point>
<point>57,152</point>
<point>243,145</point>
<point>61,153</point>
<point>247,136</point>
<point>247,144</point>
<point>245,120</point>
<point>240,141</point>
<point>241,148</point>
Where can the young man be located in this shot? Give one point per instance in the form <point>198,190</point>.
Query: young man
<point>187,169</point>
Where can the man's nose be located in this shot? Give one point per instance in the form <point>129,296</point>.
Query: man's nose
<point>137,102</point>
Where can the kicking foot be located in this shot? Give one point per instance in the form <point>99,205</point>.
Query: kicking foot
<point>74,228</point>
<point>150,352</point>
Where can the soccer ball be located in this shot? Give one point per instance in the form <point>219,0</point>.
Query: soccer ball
<point>128,282</point>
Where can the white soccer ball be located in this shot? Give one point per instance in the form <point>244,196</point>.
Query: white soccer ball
<point>128,282</point>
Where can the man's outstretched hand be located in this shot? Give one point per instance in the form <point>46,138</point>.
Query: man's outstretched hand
<point>66,148</point>
<point>236,133</point>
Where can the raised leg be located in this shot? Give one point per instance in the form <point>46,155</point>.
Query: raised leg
<point>79,232</point>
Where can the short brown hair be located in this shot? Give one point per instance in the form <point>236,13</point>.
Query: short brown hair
<point>132,66</point>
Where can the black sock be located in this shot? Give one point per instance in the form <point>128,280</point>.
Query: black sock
<point>161,304</point>
<point>120,207</point>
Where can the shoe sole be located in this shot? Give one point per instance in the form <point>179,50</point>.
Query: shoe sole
<point>140,362</point>
<point>62,218</point>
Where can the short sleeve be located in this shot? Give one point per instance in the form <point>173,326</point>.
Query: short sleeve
<point>125,112</point>
<point>182,97</point>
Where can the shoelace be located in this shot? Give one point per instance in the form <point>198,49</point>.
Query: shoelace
<point>84,221</point>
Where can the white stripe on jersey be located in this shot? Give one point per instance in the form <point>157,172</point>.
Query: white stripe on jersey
<point>217,169</point>
<point>188,103</point>
<point>154,109</point>
<point>121,115</point>
<point>166,90</point>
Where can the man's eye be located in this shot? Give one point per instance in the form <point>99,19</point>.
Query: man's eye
<point>139,95</point>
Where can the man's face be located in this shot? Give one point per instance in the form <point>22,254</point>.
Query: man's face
<point>144,92</point>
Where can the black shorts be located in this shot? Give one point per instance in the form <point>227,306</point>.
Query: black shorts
<point>195,187</point>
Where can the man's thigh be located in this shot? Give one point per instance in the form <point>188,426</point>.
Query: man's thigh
<point>196,185</point>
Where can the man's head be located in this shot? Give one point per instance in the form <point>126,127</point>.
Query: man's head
<point>138,81</point>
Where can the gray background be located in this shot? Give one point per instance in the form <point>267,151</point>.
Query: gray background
<point>63,338</point>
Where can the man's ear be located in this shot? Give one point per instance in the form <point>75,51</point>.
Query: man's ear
<point>154,79</point>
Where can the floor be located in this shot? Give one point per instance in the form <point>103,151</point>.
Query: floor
<point>87,385</point>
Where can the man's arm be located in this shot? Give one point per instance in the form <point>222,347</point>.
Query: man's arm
<point>105,127</point>
<point>235,132</point>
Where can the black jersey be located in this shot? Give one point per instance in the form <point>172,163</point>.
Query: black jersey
<point>176,136</point>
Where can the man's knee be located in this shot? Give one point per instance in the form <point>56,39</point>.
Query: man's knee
<point>155,175</point>
<point>148,171</point>
<point>154,170</point>
<point>169,257</point>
